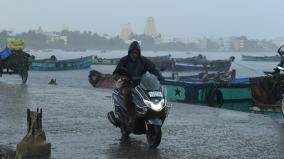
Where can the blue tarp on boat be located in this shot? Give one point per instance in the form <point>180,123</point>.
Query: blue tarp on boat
<point>5,53</point>
<point>240,81</point>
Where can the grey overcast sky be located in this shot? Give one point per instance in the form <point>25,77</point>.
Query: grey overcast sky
<point>174,18</point>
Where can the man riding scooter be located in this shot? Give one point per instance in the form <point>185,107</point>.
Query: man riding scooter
<point>129,71</point>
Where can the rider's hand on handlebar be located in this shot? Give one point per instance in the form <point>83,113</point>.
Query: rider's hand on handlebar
<point>124,78</point>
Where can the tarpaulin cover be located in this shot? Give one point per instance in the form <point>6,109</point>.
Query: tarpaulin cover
<point>5,53</point>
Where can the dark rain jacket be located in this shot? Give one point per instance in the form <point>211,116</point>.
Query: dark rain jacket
<point>135,69</point>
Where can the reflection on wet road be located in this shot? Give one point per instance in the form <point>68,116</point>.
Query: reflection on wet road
<point>75,123</point>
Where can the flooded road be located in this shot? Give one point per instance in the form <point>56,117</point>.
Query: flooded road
<point>75,123</point>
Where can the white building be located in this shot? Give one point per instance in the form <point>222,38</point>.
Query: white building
<point>150,27</point>
<point>52,36</point>
<point>126,31</point>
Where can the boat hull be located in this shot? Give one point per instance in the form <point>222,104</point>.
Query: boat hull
<point>198,91</point>
<point>242,94</point>
<point>199,67</point>
<point>72,64</point>
<point>261,58</point>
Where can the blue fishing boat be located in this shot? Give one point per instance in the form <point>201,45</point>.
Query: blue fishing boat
<point>52,64</point>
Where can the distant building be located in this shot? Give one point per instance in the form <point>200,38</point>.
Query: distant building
<point>180,40</point>
<point>150,27</point>
<point>107,36</point>
<point>227,44</point>
<point>232,43</point>
<point>39,30</point>
<point>237,44</point>
<point>203,42</point>
<point>52,36</point>
<point>126,32</point>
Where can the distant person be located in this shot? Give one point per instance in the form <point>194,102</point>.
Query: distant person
<point>52,82</point>
<point>131,68</point>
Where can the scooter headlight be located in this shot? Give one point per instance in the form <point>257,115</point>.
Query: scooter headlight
<point>157,107</point>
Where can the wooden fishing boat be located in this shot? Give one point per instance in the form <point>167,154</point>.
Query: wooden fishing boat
<point>52,64</point>
<point>200,63</point>
<point>189,90</point>
<point>114,61</point>
<point>261,58</point>
<point>262,94</point>
<point>205,76</point>
<point>212,93</point>
<point>100,80</point>
<point>257,94</point>
<point>167,63</point>
<point>105,61</point>
<point>161,62</point>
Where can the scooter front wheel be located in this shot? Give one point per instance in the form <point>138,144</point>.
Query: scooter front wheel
<point>154,135</point>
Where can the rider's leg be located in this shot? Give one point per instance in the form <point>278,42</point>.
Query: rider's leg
<point>126,91</point>
<point>123,86</point>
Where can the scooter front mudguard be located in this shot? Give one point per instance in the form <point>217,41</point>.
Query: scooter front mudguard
<point>154,121</point>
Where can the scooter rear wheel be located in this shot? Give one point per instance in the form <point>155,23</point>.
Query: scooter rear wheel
<point>124,132</point>
<point>112,119</point>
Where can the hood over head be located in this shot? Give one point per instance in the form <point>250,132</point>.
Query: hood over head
<point>134,46</point>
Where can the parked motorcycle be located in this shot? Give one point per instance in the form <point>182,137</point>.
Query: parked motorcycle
<point>151,110</point>
<point>278,77</point>
<point>280,68</point>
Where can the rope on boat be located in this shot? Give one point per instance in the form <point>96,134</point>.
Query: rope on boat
<point>245,66</point>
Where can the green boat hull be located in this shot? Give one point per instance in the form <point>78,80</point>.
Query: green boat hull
<point>198,93</point>
<point>235,96</point>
